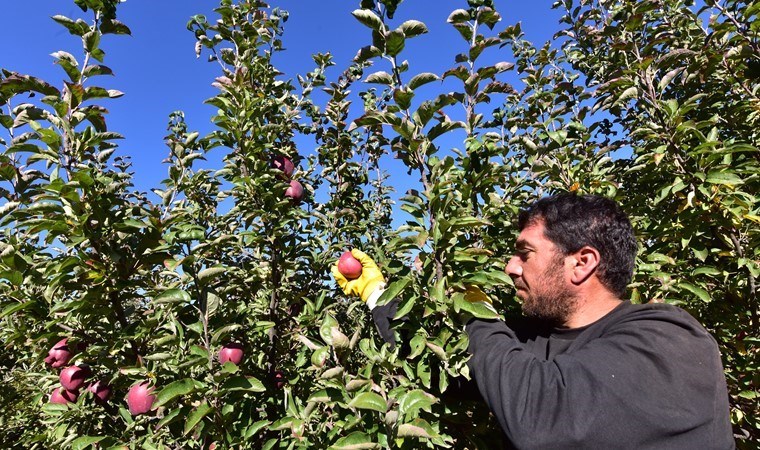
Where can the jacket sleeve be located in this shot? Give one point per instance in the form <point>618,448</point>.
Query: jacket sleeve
<point>383,315</point>
<point>640,383</point>
<point>460,388</point>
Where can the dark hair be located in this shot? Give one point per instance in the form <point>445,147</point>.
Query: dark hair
<point>573,221</point>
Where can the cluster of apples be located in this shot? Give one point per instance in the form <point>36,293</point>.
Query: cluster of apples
<point>140,398</point>
<point>234,353</point>
<point>295,191</point>
<point>73,377</point>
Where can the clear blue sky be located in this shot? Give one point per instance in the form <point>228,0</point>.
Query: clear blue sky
<point>157,69</point>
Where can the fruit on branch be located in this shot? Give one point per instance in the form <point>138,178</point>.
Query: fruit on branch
<point>73,377</point>
<point>278,379</point>
<point>232,352</point>
<point>284,164</point>
<point>140,398</point>
<point>59,355</point>
<point>417,263</point>
<point>101,390</point>
<point>294,191</point>
<point>61,396</point>
<point>349,267</point>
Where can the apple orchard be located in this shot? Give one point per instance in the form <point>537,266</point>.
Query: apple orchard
<point>202,314</point>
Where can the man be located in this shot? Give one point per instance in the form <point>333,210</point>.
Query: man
<point>583,368</point>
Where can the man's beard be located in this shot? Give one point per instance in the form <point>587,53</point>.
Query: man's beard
<point>550,300</point>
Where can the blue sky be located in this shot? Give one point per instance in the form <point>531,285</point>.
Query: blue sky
<point>157,69</point>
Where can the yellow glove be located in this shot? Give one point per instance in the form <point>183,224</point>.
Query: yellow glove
<point>367,284</point>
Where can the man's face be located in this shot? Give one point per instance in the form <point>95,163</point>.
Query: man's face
<point>540,276</point>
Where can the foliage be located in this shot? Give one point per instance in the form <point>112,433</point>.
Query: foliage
<point>654,103</point>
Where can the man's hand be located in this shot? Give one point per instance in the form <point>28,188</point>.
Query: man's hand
<point>368,285</point>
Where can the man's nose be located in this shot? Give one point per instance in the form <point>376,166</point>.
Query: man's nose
<point>514,268</point>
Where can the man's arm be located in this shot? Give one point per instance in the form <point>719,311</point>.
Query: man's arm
<point>383,316</point>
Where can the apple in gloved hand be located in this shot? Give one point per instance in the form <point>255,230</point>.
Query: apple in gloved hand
<point>369,283</point>
<point>349,267</point>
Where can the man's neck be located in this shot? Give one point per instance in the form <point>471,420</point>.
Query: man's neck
<point>590,309</point>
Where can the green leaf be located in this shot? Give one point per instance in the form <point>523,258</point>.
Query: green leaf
<point>629,93</point>
<point>176,389</point>
<point>394,42</point>
<point>211,273</point>
<point>405,308</point>
<point>172,416</point>
<point>458,16</point>
<point>16,84</point>
<point>113,26</point>
<point>403,97</point>
<point>706,271</point>
<point>162,356</point>
<point>91,41</point>
<point>412,28</point>
<point>367,52</point>
<point>83,442</point>
<point>325,330</point>
<point>95,70</point>
<point>698,291</point>
<point>422,79</point>
<point>418,428</point>
<point>725,178</point>
<point>355,441</point>
<point>196,416</point>
<point>380,78</point>
<point>369,400</point>
<point>488,16</point>
<point>480,310</point>
<point>326,396</point>
<point>130,223</point>
<point>254,428</point>
<point>172,296</point>
<point>368,18</point>
<point>249,384</point>
<point>78,28</point>
<point>16,307</point>
<point>69,64</point>
<point>413,401</point>
<point>392,291</point>
<point>224,331</point>
<point>668,77</point>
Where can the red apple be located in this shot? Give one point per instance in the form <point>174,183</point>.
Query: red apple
<point>232,352</point>
<point>278,378</point>
<point>294,191</point>
<point>61,396</point>
<point>73,377</point>
<point>140,399</point>
<point>59,355</point>
<point>349,267</point>
<point>284,164</point>
<point>101,390</point>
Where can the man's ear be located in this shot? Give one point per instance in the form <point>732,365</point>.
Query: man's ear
<point>585,262</point>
